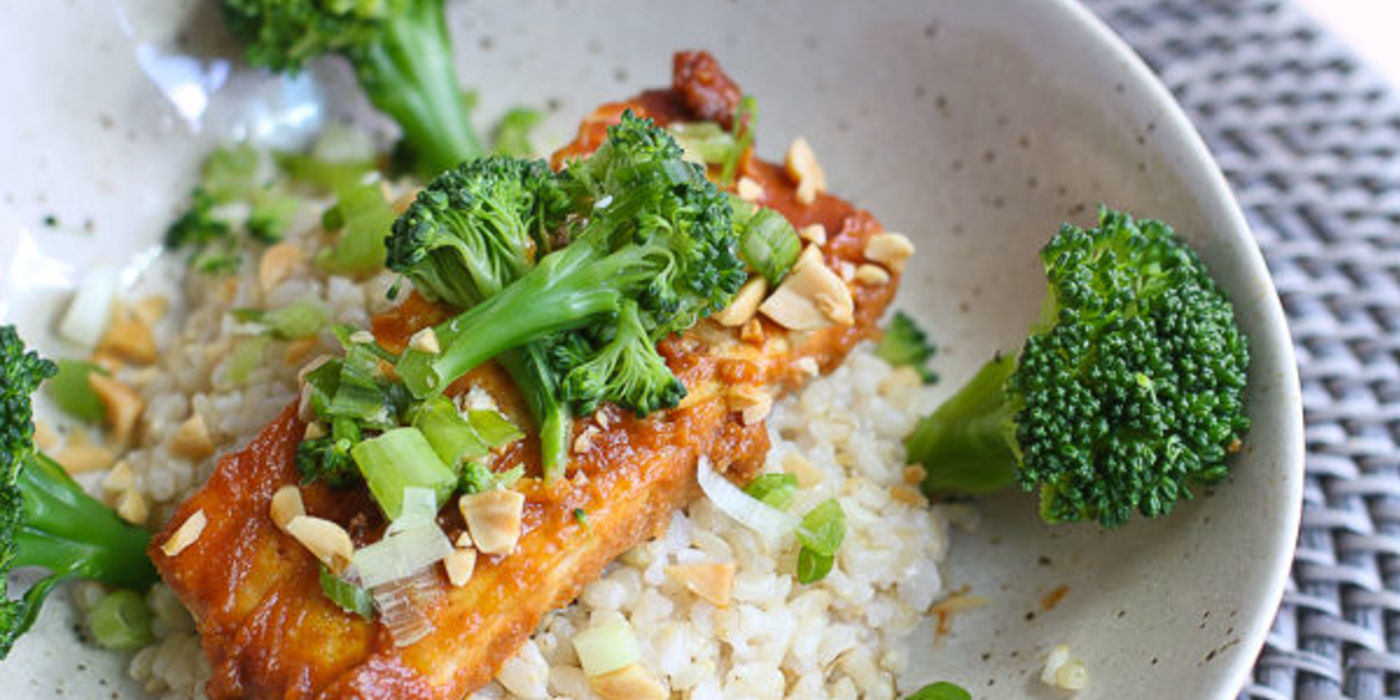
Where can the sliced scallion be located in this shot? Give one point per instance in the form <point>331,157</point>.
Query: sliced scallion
<point>813,566</point>
<point>769,244</point>
<point>301,319</point>
<point>360,247</point>
<point>705,142</point>
<point>347,596</point>
<point>397,459</point>
<point>495,430</point>
<point>246,356</point>
<point>823,528</point>
<point>72,392</point>
<point>942,690</point>
<point>452,436</point>
<point>121,621</point>
<point>776,490</point>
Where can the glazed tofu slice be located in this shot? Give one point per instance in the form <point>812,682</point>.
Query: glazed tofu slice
<point>268,629</point>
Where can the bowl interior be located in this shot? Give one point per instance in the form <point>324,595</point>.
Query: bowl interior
<point>975,135</point>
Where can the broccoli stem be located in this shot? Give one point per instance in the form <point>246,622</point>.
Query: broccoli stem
<point>566,290</point>
<point>408,74</point>
<point>529,368</point>
<point>967,444</point>
<point>69,532</point>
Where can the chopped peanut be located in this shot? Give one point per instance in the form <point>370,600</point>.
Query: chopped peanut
<point>130,339</point>
<point>44,435</point>
<point>711,582</point>
<point>459,565</point>
<point>630,682</point>
<point>493,517</point>
<point>278,263</point>
<point>119,479</point>
<point>584,441</point>
<point>425,341</point>
<point>801,163</point>
<point>745,303</point>
<point>123,405</point>
<point>752,332</point>
<point>752,402</point>
<point>328,541</point>
<point>464,541</point>
<point>286,506</point>
<point>890,249</point>
<point>151,309</point>
<point>808,474</point>
<point>186,534</point>
<point>914,474</point>
<point>905,494</point>
<point>748,189</point>
<point>813,233</point>
<point>873,275</point>
<point>297,350</point>
<point>811,296</point>
<point>131,507</point>
<point>314,430</point>
<point>79,458</point>
<point>191,439</point>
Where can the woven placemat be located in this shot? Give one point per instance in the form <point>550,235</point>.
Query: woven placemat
<point>1308,137</point>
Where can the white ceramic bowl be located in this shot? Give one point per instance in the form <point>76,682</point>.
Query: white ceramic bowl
<point>975,127</point>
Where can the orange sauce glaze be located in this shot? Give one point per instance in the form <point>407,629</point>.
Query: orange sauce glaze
<point>269,631</point>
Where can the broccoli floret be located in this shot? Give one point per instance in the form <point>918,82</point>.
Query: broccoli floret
<point>625,369</point>
<point>1127,394</point>
<point>906,345</point>
<point>327,458</point>
<point>399,49</point>
<point>644,226</point>
<point>475,229</point>
<point>46,520</point>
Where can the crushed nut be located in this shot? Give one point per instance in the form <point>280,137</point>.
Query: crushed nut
<point>752,402</point>
<point>890,249</point>
<point>286,506</point>
<point>807,366</point>
<point>329,542</point>
<point>130,339</point>
<point>425,341</point>
<point>79,458</point>
<point>630,682</point>
<point>297,350</point>
<point>872,275</point>
<point>315,430</point>
<point>808,474</point>
<point>914,474</point>
<point>118,480</point>
<point>131,507</point>
<point>493,518</point>
<point>584,441</point>
<point>811,296</point>
<point>362,337</point>
<point>151,309</point>
<point>711,582</point>
<point>813,233</point>
<point>801,163</point>
<point>907,495</point>
<point>752,332</point>
<point>278,263</point>
<point>459,565</point>
<point>745,303</point>
<point>186,534</point>
<point>123,405</point>
<point>191,440</point>
<point>464,540</point>
<point>748,189</point>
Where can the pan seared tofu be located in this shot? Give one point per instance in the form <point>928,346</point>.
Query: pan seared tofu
<point>268,629</point>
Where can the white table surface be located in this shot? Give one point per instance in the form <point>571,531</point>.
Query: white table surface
<point>1369,26</point>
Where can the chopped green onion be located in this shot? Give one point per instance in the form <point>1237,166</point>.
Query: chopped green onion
<point>581,517</point>
<point>605,648</point>
<point>477,477</point>
<point>302,319</point>
<point>271,215</point>
<point>942,690</point>
<point>72,392</point>
<point>419,505</point>
<point>397,459</point>
<point>230,173</point>
<point>745,121</point>
<point>332,219</point>
<point>212,261</point>
<point>360,247</point>
<point>705,142</point>
<point>347,596</point>
<point>358,394</point>
<point>823,528</point>
<point>344,332</point>
<point>340,158</point>
<point>403,552</point>
<point>495,430</point>
<point>452,437</point>
<point>121,621</point>
<point>813,566</point>
<point>776,490</point>
<point>769,244</point>
<point>513,132</point>
<point>246,356</point>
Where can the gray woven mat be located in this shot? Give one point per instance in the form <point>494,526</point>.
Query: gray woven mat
<point>1308,137</point>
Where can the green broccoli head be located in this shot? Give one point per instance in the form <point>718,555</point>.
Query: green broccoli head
<point>624,369</point>
<point>46,520</point>
<point>1128,394</point>
<point>401,53</point>
<point>476,228</point>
